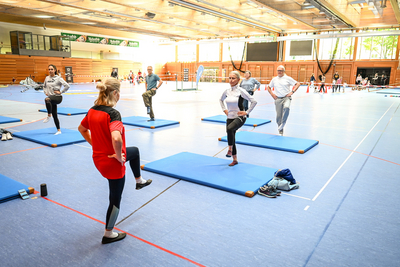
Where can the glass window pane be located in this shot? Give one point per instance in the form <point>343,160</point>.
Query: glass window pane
<point>187,53</point>
<point>209,52</point>
<point>47,42</point>
<point>234,49</point>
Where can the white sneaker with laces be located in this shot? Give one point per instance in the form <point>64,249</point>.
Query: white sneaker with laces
<point>4,137</point>
<point>47,119</point>
<point>57,133</point>
<point>9,136</point>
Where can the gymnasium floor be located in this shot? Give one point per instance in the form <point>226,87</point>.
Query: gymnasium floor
<point>345,212</point>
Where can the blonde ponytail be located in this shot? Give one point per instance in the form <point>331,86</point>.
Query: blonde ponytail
<point>106,98</point>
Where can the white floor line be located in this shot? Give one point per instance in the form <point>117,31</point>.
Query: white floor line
<point>295,196</point>
<point>344,162</point>
<point>306,208</point>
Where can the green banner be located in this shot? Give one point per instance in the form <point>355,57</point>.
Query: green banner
<point>100,40</point>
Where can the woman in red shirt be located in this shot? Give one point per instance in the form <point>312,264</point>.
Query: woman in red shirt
<point>102,128</point>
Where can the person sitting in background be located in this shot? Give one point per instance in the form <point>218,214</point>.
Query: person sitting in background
<point>359,79</point>
<point>365,83</point>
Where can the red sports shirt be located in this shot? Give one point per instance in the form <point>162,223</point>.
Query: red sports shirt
<point>101,121</point>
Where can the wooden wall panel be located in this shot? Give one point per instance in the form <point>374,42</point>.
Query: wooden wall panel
<point>85,70</point>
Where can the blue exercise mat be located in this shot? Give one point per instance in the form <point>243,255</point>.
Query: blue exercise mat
<point>143,122</point>
<point>393,91</point>
<point>46,136</point>
<point>9,188</point>
<point>8,119</point>
<point>291,144</point>
<point>243,178</point>
<point>249,121</point>
<point>68,111</point>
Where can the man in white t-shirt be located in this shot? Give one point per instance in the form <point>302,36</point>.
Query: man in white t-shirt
<point>282,96</point>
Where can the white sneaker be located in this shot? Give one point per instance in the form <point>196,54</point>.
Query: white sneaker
<point>4,137</point>
<point>9,136</point>
<point>47,119</point>
<point>57,133</point>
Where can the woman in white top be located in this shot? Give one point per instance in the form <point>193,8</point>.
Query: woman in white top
<point>52,88</point>
<point>234,110</point>
<point>359,79</point>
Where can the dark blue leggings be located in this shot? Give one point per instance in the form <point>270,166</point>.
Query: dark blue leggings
<point>116,187</point>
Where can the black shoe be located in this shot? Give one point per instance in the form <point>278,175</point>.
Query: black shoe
<point>107,240</point>
<point>140,186</point>
<point>152,119</point>
<point>266,191</point>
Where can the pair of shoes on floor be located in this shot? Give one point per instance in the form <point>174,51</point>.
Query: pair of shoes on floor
<point>46,119</point>
<point>140,186</point>
<point>229,154</point>
<point>107,240</point>
<point>233,163</point>
<point>6,135</point>
<point>269,191</point>
<point>148,110</point>
<point>152,119</point>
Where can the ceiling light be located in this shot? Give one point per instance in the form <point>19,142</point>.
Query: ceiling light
<point>44,16</point>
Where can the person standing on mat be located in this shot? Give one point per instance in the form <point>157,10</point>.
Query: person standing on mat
<point>235,112</point>
<point>250,85</point>
<point>282,96</point>
<point>52,89</point>
<point>151,86</point>
<point>102,128</point>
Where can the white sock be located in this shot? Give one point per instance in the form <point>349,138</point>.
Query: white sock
<point>110,234</point>
<point>140,180</point>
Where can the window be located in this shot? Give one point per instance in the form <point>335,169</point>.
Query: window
<point>344,49</point>
<point>377,47</point>
<point>234,49</point>
<point>187,53</point>
<point>166,53</point>
<point>209,52</point>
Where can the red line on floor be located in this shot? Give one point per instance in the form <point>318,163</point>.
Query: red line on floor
<point>25,123</point>
<point>138,238</point>
<point>343,149</point>
<point>361,153</point>
<point>22,150</point>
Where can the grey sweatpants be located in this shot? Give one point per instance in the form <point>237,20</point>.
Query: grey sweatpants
<point>282,106</point>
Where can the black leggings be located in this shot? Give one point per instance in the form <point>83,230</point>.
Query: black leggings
<point>232,125</point>
<point>322,88</point>
<point>51,105</point>
<point>116,187</point>
<point>133,156</point>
